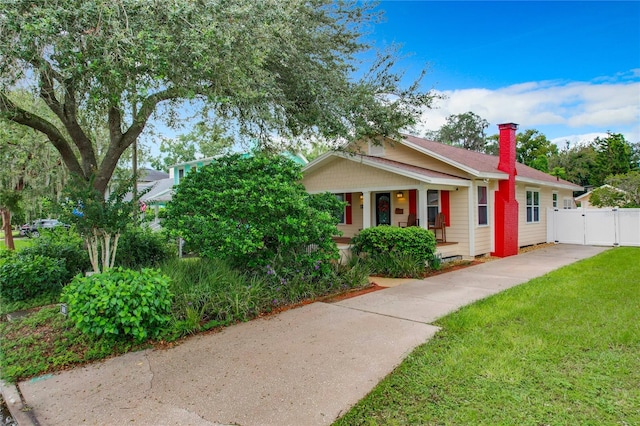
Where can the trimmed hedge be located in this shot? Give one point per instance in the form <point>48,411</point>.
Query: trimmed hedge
<point>413,241</point>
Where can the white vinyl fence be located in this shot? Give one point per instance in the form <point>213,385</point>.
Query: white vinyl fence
<point>597,227</point>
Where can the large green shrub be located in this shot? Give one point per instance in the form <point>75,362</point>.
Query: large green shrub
<point>120,302</point>
<point>64,245</point>
<point>250,209</point>
<point>396,245</point>
<point>25,276</point>
<point>140,247</point>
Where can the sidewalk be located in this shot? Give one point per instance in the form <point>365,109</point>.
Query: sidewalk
<point>305,366</point>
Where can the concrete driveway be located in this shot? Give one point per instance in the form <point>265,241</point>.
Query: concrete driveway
<point>305,366</point>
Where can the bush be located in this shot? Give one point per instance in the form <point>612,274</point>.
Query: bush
<point>64,245</point>
<point>24,276</point>
<point>413,241</point>
<point>251,209</point>
<point>140,247</point>
<point>120,302</point>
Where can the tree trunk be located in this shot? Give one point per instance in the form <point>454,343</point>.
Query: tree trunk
<point>8,231</point>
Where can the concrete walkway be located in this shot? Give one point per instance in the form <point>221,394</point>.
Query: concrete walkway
<point>305,366</point>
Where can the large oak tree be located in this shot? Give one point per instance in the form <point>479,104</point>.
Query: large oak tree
<point>276,69</point>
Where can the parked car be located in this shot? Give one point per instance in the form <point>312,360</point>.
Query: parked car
<point>33,229</point>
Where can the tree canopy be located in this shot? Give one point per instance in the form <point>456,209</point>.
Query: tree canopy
<point>534,149</point>
<point>621,190</point>
<point>205,140</point>
<point>275,69</point>
<point>465,131</point>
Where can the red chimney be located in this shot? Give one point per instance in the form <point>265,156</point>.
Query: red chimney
<point>506,209</point>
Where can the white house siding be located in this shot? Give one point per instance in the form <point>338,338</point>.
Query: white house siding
<point>345,175</point>
<point>535,233</point>
<point>458,232</point>
<point>482,240</point>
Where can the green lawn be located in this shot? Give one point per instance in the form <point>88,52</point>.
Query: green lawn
<point>20,242</point>
<point>563,349</point>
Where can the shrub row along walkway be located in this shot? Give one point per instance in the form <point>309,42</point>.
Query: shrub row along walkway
<point>304,366</point>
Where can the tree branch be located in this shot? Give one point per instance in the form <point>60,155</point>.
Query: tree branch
<point>65,111</point>
<point>18,115</point>
<point>119,145</point>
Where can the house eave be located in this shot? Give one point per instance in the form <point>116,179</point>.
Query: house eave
<point>558,185</point>
<point>421,178</point>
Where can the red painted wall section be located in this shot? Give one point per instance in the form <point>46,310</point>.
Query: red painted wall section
<point>348,211</point>
<point>412,202</point>
<point>506,206</point>
<point>446,206</point>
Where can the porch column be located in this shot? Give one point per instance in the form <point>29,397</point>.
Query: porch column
<point>422,207</point>
<point>366,209</point>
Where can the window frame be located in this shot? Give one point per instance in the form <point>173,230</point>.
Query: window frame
<point>532,209</point>
<point>482,206</point>
<point>341,196</point>
<point>431,215</point>
<point>564,203</point>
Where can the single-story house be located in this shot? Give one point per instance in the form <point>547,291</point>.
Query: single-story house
<point>491,204</point>
<point>585,199</point>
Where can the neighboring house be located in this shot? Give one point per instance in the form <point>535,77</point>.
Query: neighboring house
<point>585,199</point>
<point>491,204</point>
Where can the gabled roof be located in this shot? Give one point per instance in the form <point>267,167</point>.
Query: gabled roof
<point>482,165</point>
<point>476,164</point>
<point>408,170</point>
<point>151,175</point>
<point>160,191</point>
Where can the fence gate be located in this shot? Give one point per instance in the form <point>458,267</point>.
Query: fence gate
<point>598,227</point>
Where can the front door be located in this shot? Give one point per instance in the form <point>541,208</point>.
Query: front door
<point>383,208</point>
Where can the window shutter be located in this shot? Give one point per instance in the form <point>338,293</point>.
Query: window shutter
<point>348,218</point>
<point>446,206</point>
<point>412,202</point>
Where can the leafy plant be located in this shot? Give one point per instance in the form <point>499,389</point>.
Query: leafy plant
<point>249,209</point>
<point>120,302</point>
<point>100,222</point>
<point>140,247</point>
<point>25,276</point>
<point>397,265</point>
<point>61,244</point>
<point>413,241</point>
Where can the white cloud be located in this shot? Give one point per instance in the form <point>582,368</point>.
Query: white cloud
<point>564,109</point>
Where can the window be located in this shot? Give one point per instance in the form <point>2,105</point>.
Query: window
<point>483,208</point>
<point>533,206</point>
<point>340,197</point>
<point>433,206</point>
<point>567,203</point>
<point>555,200</point>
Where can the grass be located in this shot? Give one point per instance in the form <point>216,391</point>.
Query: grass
<point>47,341</point>
<point>20,243</point>
<point>562,349</point>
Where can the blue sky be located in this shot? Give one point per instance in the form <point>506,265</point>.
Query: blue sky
<point>569,69</point>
